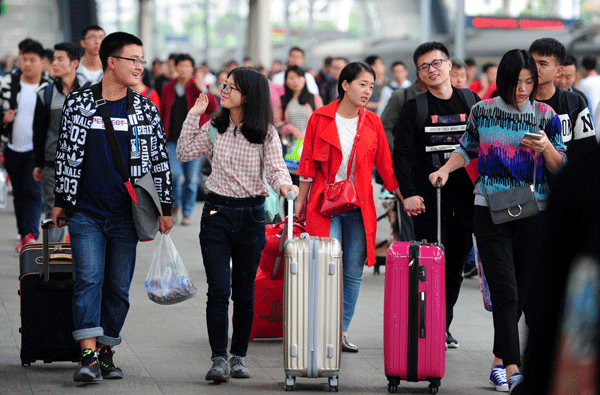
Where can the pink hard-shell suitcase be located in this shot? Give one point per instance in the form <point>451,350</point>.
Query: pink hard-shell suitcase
<point>414,331</point>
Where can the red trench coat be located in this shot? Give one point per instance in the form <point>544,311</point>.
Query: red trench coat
<point>322,157</point>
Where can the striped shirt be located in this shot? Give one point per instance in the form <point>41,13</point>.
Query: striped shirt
<point>235,161</point>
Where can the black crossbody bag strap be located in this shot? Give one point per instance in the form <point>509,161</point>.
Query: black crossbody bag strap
<point>112,139</point>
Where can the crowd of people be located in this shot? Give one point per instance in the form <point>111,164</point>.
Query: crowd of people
<point>442,125</point>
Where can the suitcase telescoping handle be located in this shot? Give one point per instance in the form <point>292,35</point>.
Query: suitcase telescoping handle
<point>46,223</point>
<point>439,209</point>
<point>290,232</point>
<point>290,217</point>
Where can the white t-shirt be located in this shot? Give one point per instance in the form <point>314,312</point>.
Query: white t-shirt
<point>22,135</point>
<point>347,129</point>
<point>92,76</point>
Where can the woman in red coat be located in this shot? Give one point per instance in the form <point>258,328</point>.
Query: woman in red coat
<point>328,144</point>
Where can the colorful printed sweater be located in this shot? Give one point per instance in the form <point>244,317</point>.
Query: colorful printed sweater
<point>494,132</point>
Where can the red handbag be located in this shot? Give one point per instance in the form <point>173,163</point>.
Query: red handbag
<point>341,197</point>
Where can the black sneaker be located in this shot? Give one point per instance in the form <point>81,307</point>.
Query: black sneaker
<point>107,365</point>
<point>89,368</point>
<point>450,341</point>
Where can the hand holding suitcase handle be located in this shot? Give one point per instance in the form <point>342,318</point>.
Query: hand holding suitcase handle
<point>46,224</point>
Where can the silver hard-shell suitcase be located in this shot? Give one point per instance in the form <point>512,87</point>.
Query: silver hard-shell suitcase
<point>312,308</point>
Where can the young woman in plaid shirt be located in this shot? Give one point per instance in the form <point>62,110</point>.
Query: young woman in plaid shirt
<point>233,219</point>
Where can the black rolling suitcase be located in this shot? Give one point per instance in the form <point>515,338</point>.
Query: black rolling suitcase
<point>46,290</point>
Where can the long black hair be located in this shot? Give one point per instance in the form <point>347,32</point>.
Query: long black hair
<point>258,114</point>
<point>509,69</point>
<point>304,93</point>
<point>350,73</point>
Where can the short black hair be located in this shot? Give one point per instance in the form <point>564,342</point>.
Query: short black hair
<point>511,65</point>
<point>296,49</point>
<point>397,63</point>
<point>549,47</point>
<point>327,61</point>
<point>48,54</point>
<point>33,47</point>
<point>173,56</point>
<point>370,60</point>
<point>470,62</point>
<point>570,60</point>
<point>113,45</point>
<point>85,31</point>
<point>351,72</point>
<point>184,56</point>
<point>23,43</point>
<point>458,63</point>
<point>71,49</point>
<point>428,47</point>
<point>589,63</point>
<point>488,66</point>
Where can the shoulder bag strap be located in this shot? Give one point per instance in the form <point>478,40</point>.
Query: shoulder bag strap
<point>112,139</point>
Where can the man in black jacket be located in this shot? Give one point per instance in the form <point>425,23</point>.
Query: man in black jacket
<point>46,123</point>
<point>421,146</point>
<point>91,193</point>
<point>17,104</point>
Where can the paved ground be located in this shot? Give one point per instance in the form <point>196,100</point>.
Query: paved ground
<point>165,349</point>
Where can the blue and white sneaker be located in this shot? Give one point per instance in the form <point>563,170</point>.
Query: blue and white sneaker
<point>498,378</point>
<point>514,380</point>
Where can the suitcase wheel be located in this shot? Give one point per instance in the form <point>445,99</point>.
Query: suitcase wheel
<point>393,385</point>
<point>290,383</point>
<point>434,385</point>
<point>333,384</point>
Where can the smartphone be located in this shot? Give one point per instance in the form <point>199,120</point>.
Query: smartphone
<point>533,136</point>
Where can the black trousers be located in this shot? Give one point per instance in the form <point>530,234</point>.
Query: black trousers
<point>457,229</point>
<point>511,255</point>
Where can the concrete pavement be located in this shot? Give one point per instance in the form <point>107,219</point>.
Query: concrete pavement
<point>165,349</point>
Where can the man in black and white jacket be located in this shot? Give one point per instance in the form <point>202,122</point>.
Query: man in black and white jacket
<point>17,105</point>
<point>91,193</point>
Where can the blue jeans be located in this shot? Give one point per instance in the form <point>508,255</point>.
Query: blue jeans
<point>27,192</point>
<point>231,228</point>
<point>349,230</point>
<point>184,195</point>
<point>104,251</point>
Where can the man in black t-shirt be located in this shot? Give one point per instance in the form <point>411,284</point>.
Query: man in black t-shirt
<point>577,125</point>
<point>419,151</point>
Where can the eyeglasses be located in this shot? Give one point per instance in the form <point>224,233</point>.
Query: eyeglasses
<point>136,62</point>
<point>227,88</point>
<point>437,63</point>
<point>95,38</point>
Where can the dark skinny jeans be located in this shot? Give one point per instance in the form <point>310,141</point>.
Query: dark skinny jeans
<point>231,228</point>
<point>511,256</point>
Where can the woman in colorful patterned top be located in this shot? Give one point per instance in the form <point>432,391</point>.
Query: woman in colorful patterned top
<point>510,252</point>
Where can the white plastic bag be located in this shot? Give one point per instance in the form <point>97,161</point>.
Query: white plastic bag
<point>167,281</point>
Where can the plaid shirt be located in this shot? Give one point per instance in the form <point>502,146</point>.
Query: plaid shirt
<point>235,161</point>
